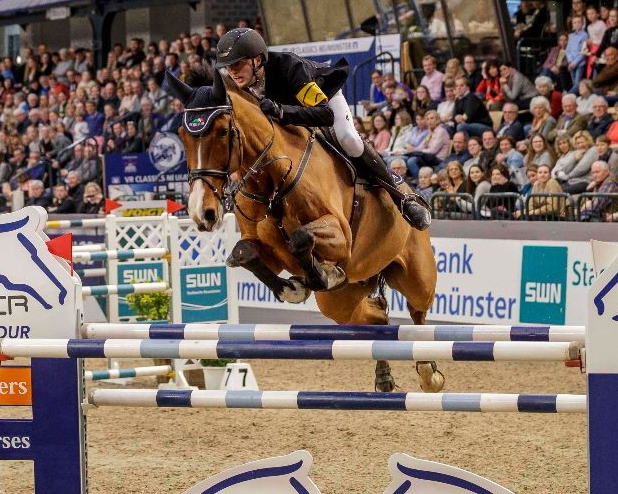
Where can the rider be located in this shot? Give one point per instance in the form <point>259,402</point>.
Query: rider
<point>299,91</point>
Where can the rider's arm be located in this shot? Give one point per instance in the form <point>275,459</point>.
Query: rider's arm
<point>315,116</point>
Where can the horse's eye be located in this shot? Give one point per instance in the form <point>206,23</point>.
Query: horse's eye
<point>222,132</point>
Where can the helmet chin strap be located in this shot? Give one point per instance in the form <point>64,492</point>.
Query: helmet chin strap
<point>255,69</point>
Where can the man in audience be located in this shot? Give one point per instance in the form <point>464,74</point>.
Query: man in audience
<point>471,115</point>
<point>515,86</point>
<point>510,125</point>
<point>432,78</point>
<point>459,150</point>
<point>570,122</point>
<point>601,120</point>
<point>610,37</point>
<point>75,189</point>
<point>94,119</point>
<point>490,150</point>
<point>36,196</point>
<point>471,71</point>
<point>574,51</point>
<point>602,183</point>
<point>607,80</point>
<point>61,203</point>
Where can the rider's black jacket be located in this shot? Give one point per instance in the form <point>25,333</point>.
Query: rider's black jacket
<point>302,87</point>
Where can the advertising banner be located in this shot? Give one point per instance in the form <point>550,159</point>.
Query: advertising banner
<point>355,51</point>
<point>483,281</point>
<point>136,272</point>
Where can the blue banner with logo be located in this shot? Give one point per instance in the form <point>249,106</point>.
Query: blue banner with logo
<point>203,294</point>
<point>162,168</point>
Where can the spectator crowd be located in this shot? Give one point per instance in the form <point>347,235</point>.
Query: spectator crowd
<point>59,113</point>
<point>494,142</point>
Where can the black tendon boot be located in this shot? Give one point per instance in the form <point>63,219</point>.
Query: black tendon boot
<point>413,212</point>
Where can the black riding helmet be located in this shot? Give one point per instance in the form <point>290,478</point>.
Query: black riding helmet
<point>238,44</point>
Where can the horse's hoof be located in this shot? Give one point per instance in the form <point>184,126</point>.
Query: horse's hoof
<point>384,382</point>
<point>295,292</point>
<point>430,378</point>
<point>336,277</point>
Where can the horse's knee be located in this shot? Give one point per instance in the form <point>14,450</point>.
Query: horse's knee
<point>244,252</point>
<point>302,242</point>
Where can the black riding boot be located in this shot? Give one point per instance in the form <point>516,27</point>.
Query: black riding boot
<point>413,212</point>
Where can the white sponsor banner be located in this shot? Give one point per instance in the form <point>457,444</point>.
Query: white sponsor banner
<point>483,281</point>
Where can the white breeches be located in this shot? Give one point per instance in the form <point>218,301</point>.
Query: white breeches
<point>345,132</point>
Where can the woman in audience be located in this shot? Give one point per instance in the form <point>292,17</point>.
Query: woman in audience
<point>359,125</point>
<point>424,188</point>
<point>501,207</point>
<point>542,121</point>
<point>422,100</point>
<point>526,190</point>
<point>476,185</point>
<point>545,86</point>
<point>456,178</point>
<point>93,201</point>
<point>607,154</point>
<point>512,158</point>
<point>475,148</point>
<point>540,152</point>
<point>399,136</point>
<point>452,70</point>
<point>566,153</point>
<point>586,97</point>
<point>379,135</point>
<point>547,208</point>
<point>490,86</point>
<point>574,179</point>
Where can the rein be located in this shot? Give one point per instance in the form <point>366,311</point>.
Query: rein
<point>227,197</point>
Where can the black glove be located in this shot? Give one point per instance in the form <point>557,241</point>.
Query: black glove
<point>269,107</point>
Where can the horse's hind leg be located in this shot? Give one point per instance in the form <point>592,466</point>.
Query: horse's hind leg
<point>321,240</point>
<point>354,305</point>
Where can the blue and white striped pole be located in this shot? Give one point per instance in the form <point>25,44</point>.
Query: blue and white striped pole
<point>153,370</point>
<point>155,287</point>
<point>325,400</point>
<point>303,350</point>
<point>120,255</point>
<point>89,248</point>
<point>295,332</point>
<point>91,272</point>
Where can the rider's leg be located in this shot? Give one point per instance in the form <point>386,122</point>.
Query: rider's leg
<point>354,145</point>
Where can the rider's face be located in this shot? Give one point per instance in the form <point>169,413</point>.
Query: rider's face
<point>242,71</point>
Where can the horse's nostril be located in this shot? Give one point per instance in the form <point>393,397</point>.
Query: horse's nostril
<point>209,215</point>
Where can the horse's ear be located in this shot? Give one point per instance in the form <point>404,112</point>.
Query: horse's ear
<point>219,92</point>
<point>178,88</point>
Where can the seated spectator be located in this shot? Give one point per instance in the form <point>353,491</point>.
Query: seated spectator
<point>566,155</point>
<point>159,98</point>
<point>548,208</point>
<point>422,100</point>
<point>116,142</point>
<point>432,79</point>
<point>476,186</point>
<point>475,148</point>
<point>359,126</point>
<point>400,103</point>
<point>75,188</point>
<point>556,68</point>
<point>36,194</point>
<point>510,126</point>
<point>447,107</point>
<point>607,79</point>
<point>540,153</point>
<point>133,142</point>
<point>398,165</point>
<point>602,182</point>
<point>376,96</point>
<point>501,207</point>
<point>149,122</point>
<point>452,70</point>
<point>512,159</point>
<point>490,86</point>
<point>570,122</point>
<point>610,37</point>
<point>90,169</point>
<point>574,51</point>
<point>379,135</point>
<point>471,71</point>
<point>601,120</point>
<point>456,178</point>
<point>471,116</point>
<point>61,203</point>
<point>605,153</point>
<point>399,135</point>
<point>418,133</point>
<point>80,127</point>
<point>526,190</point>
<point>542,121</point>
<point>459,150</point>
<point>93,201</point>
<point>424,188</point>
<point>585,98</point>
<point>515,86</point>
<point>434,147</point>
<point>574,179</point>
<point>490,150</point>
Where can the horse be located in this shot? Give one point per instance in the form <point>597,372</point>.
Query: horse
<point>298,207</point>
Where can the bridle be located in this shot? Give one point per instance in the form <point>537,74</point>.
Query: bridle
<point>227,196</point>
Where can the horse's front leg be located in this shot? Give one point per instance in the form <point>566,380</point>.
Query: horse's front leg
<point>319,246</point>
<point>246,254</point>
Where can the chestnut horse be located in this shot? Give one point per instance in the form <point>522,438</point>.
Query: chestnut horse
<point>294,202</point>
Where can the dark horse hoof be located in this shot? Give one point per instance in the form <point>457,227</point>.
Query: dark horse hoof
<point>384,380</point>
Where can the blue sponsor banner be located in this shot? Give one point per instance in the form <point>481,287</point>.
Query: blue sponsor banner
<point>136,272</point>
<point>203,294</point>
